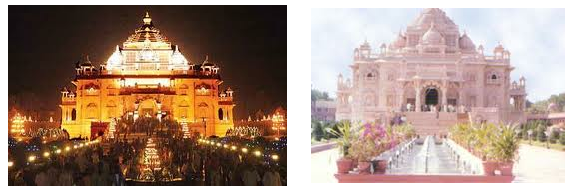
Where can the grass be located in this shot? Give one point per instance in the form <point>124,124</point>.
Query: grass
<point>556,146</point>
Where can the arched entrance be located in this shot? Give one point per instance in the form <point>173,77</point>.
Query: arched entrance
<point>431,96</point>
<point>147,108</point>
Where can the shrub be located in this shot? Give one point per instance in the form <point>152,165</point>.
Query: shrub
<point>540,136</point>
<point>504,146</point>
<point>318,131</point>
<point>554,137</point>
<point>562,138</point>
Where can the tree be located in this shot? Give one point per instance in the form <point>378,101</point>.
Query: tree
<point>318,131</point>
<point>319,95</point>
<point>562,137</point>
<point>554,136</point>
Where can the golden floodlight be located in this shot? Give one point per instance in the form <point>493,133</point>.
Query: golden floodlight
<point>218,144</point>
<point>225,146</point>
<point>257,153</point>
<point>212,143</point>
<point>244,150</point>
<point>31,158</point>
<point>58,151</point>
<point>75,146</point>
<point>46,154</point>
<point>234,148</point>
<point>67,148</point>
<point>81,145</point>
<point>10,164</point>
<point>275,157</point>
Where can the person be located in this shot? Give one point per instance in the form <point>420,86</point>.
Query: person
<point>42,179</point>
<point>19,178</point>
<point>271,177</point>
<point>250,176</point>
<point>65,178</point>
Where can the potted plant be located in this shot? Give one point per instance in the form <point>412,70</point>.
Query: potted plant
<point>344,135</point>
<point>505,148</point>
<point>370,143</point>
<point>482,139</point>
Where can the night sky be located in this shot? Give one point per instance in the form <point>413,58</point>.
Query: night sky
<point>249,43</point>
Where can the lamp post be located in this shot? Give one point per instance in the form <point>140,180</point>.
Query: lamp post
<point>547,134</point>
<point>530,136</point>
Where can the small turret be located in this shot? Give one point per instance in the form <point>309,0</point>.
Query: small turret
<point>229,92</point>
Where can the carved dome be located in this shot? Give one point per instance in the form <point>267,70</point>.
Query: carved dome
<point>116,58</point>
<point>433,15</point>
<point>466,43</point>
<point>177,58</point>
<point>432,37</point>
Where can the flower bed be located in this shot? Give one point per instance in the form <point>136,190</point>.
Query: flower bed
<point>362,145</point>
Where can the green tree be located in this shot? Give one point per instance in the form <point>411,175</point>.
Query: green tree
<point>554,136</point>
<point>319,95</point>
<point>562,138</point>
<point>318,131</point>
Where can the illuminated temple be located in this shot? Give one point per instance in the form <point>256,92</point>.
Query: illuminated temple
<point>147,76</point>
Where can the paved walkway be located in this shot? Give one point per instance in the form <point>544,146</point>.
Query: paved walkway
<point>537,164</point>
<point>324,166</point>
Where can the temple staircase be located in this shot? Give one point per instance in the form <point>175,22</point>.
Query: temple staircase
<point>431,123</point>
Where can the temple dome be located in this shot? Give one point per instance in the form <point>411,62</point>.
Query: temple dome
<point>466,43</point>
<point>177,58</point>
<point>432,36</point>
<point>433,15</point>
<point>116,58</point>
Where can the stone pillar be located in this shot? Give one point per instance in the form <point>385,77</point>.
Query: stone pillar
<point>418,99</point>
<point>444,101</point>
<point>401,96</point>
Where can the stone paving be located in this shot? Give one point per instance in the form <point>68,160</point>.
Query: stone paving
<point>324,166</point>
<point>538,164</point>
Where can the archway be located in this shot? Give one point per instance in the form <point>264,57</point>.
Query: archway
<point>431,96</point>
<point>147,108</point>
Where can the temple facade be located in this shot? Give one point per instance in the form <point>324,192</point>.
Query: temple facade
<point>433,76</point>
<point>147,76</point>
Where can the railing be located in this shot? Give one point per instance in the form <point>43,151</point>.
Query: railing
<point>150,90</point>
<point>469,163</point>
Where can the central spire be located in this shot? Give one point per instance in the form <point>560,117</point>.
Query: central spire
<point>147,19</point>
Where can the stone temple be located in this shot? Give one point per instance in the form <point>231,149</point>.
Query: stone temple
<point>434,77</point>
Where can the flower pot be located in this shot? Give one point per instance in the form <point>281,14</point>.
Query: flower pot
<point>489,167</point>
<point>381,166</point>
<point>364,167</point>
<point>506,168</point>
<point>344,165</point>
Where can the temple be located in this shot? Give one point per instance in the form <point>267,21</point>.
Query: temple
<point>147,76</point>
<point>433,76</point>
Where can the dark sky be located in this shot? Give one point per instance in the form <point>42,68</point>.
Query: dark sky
<point>249,43</point>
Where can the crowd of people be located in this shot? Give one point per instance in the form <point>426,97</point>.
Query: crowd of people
<point>119,162</point>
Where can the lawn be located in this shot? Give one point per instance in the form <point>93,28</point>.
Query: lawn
<point>556,146</point>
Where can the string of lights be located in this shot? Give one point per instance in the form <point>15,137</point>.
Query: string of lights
<point>244,150</point>
<point>33,157</point>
